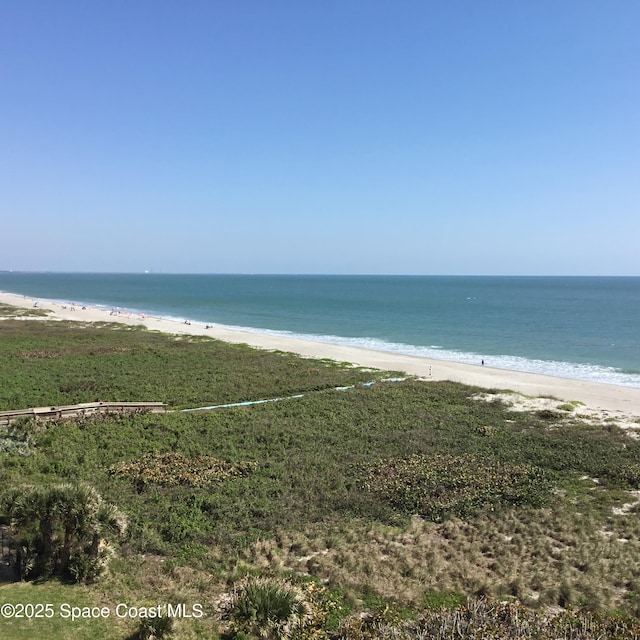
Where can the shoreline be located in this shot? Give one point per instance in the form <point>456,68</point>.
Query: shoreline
<point>620,401</point>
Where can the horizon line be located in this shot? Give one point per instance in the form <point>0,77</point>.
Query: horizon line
<point>153,272</point>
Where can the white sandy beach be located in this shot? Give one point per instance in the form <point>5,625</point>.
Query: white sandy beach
<point>611,400</point>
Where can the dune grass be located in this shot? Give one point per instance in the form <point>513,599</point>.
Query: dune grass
<point>9,311</point>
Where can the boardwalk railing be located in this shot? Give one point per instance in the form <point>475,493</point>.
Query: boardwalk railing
<point>79,410</point>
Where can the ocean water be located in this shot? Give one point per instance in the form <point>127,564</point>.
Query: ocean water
<point>586,328</point>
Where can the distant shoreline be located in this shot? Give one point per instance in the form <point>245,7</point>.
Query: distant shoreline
<point>624,401</point>
<point>576,328</point>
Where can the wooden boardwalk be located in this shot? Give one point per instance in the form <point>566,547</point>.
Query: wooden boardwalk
<point>79,410</point>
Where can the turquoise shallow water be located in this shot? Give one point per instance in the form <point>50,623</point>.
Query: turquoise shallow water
<point>577,327</point>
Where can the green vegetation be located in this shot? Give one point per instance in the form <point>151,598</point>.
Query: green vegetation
<point>437,600</point>
<point>171,469</point>
<point>153,629</point>
<point>365,513</point>
<point>570,406</point>
<point>60,529</point>
<point>53,363</point>
<point>13,438</point>
<point>8,311</point>
<point>442,486</point>
<point>267,608</point>
<point>53,592</point>
<point>486,620</point>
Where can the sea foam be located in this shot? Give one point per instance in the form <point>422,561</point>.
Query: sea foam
<point>572,370</point>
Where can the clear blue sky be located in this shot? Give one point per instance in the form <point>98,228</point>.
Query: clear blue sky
<point>320,136</point>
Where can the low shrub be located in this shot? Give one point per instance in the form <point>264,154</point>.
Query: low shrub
<point>172,469</point>
<point>436,600</point>
<point>485,619</point>
<point>441,486</point>
<point>266,608</point>
<point>153,629</point>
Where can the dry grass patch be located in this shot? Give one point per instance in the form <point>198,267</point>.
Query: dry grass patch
<point>539,557</point>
